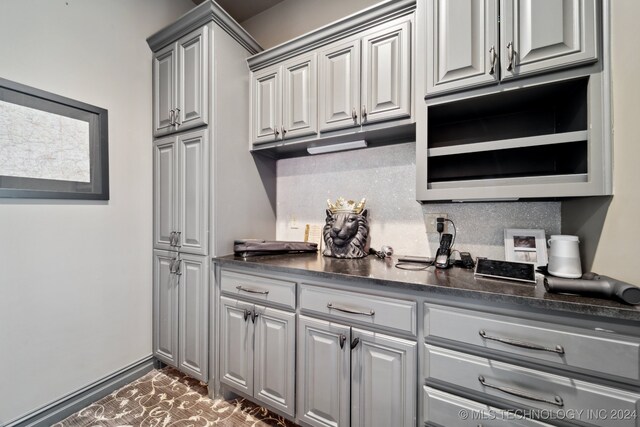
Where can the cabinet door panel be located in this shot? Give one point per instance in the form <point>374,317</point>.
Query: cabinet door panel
<point>267,105</point>
<point>547,34</point>
<point>274,364</point>
<point>236,345</point>
<point>165,187</point>
<point>165,308</point>
<point>194,316</point>
<point>386,77</point>
<point>193,206</point>
<point>383,380</point>
<point>164,90</point>
<point>339,81</point>
<point>300,102</point>
<point>323,373</point>
<point>460,36</point>
<point>193,71</point>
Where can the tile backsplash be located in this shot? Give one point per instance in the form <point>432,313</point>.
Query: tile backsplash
<point>386,176</point>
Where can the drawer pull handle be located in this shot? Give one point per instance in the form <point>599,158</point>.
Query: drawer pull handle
<point>558,349</point>
<point>252,291</point>
<point>332,306</point>
<point>557,400</point>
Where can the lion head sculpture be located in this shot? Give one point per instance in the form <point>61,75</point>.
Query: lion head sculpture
<point>346,232</point>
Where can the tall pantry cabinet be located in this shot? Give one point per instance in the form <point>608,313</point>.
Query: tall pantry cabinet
<point>207,187</point>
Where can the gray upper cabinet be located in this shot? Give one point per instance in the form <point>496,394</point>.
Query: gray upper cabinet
<point>462,43</point>
<point>350,80</point>
<point>539,36</point>
<point>366,79</point>
<point>180,93</point>
<point>535,37</point>
<point>340,85</point>
<point>180,188</point>
<point>284,100</point>
<point>386,73</point>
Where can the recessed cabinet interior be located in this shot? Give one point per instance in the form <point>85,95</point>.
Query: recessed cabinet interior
<point>180,186</point>
<point>180,88</point>
<point>476,42</point>
<point>284,100</point>
<point>181,312</point>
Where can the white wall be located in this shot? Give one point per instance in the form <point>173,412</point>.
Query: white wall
<point>617,250</point>
<point>291,18</point>
<point>75,277</point>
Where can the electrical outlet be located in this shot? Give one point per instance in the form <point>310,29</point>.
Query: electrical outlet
<point>431,219</point>
<point>293,222</point>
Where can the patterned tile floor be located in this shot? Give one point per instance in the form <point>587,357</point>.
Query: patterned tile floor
<point>168,398</point>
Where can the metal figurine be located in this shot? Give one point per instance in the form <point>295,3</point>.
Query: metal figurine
<point>346,232</point>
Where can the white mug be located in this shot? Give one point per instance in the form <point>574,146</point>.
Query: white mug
<point>564,257</point>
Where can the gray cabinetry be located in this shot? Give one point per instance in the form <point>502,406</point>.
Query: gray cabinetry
<point>180,71</point>
<point>257,343</point>
<point>284,100</point>
<point>350,80</point>
<point>181,311</point>
<point>366,79</point>
<point>535,36</point>
<point>180,187</point>
<point>352,376</point>
<point>524,363</point>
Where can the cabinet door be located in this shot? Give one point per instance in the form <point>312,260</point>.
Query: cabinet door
<point>266,96</point>
<point>236,344</point>
<point>193,316</point>
<point>164,90</point>
<point>300,97</point>
<point>383,388</point>
<point>386,74</point>
<point>339,81</point>
<point>462,42</point>
<point>274,358</point>
<point>193,192</point>
<point>193,72</point>
<point>165,188</point>
<point>323,373</point>
<point>165,308</point>
<point>546,34</point>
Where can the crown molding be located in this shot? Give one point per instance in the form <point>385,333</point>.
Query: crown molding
<point>197,17</point>
<point>357,22</point>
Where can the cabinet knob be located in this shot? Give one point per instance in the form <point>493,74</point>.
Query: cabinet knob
<point>354,343</point>
<point>172,117</point>
<point>247,313</point>
<point>177,117</point>
<point>284,132</point>
<point>343,339</point>
<point>276,132</point>
<point>354,114</point>
<point>364,113</point>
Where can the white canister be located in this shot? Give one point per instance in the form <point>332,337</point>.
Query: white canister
<point>564,257</point>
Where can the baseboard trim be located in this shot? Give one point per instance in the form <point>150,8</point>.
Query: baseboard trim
<point>73,402</point>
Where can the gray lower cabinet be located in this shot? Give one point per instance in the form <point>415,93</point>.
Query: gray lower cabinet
<point>350,376</point>
<point>181,311</point>
<point>257,352</point>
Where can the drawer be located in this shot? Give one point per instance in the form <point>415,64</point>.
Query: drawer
<point>369,309</point>
<point>556,395</point>
<point>257,288</point>
<point>450,410</point>
<point>597,351</point>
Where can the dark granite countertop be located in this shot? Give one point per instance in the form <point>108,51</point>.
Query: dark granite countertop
<point>454,282</point>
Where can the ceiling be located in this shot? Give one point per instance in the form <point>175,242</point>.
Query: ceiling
<point>241,10</point>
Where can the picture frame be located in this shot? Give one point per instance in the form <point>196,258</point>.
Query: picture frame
<point>51,147</point>
<point>525,245</point>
